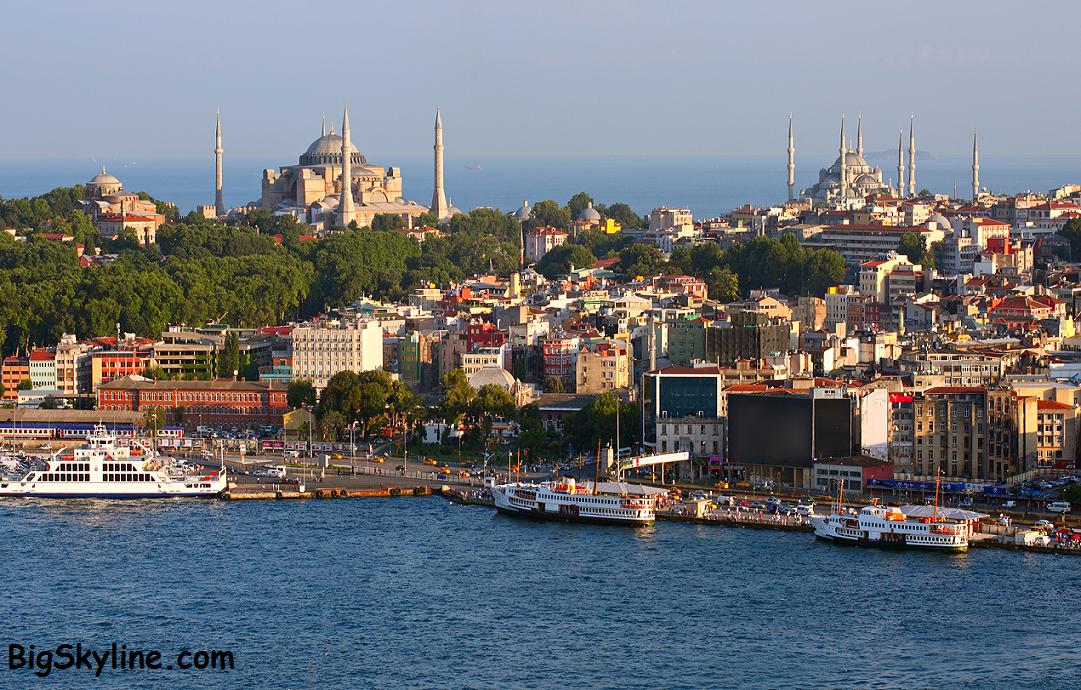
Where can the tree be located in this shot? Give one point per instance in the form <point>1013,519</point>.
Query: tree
<point>229,359</point>
<point>457,395</point>
<point>578,203</point>
<point>560,260</point>
<point>301,393</point>
<point>1072,231</point>
<point>49,403</point>
<point>641,260</point>
<point>821,270</point>
<point>156,373</point>
<point>913,245</point>
<point>549,213</point>
<point>26,385</point>
<point>553,384</point>
<point>330,423</point>
<point>357,397</point>
<point>491,402</point>
<point>154,418</point>
<point>723,285</point>
<point>622,214</point>
<point>387,221</point>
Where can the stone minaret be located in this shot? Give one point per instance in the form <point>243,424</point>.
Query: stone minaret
<point>859,135</point>
<point>219,204</point>
<point>912,156</point>
<point>439,199</point>
<point>844,163</point>
<point>324,133</point>
<point>975,168</point>
<point>346,212</point>
<point>900,163</point>
<point>791,161</point>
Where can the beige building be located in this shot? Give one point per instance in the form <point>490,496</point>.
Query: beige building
<point>324,348</point>
<point>540,241</point>
<point>603,367</point>
<point>112,209</point>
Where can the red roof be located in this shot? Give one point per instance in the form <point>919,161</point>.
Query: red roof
<point>1052,405</point>
<point>954,390</point>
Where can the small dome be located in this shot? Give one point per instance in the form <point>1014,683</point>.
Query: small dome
<point>589,214</point>
<point>103,178</point>
<point>942,222</point>
<point>523,212</point>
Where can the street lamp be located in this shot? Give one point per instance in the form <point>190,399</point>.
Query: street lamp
<point>352,449</point>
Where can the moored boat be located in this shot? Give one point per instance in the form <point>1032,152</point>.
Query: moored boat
<point>614,503</point>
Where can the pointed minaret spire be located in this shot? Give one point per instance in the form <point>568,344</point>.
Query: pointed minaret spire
<point>439,200</point>
<point>324,133</point>
<point>791,161</point>
<point>844,163</point>
<point>859,135</point>
<point>219,204</point>
<point>912,155</point>
<point>900,164</point>
<point>975,168</point>
<point>346,211</point>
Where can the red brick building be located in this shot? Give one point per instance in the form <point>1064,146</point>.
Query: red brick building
<point>221,402</point>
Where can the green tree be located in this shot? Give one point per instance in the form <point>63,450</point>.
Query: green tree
<point>578,203</point>
<point>26,385</point>
<point>49,403</point>
<point>153,419</point>
<point>913,245</point>
<point>553,384</point>
<point>330,423</point>
<point>229,359</point>
<point>301,393</point>
<point>1072,232</point>
<point>821,270</point>
<point>624,215</point>
<point>560,260</point>
<point>642,260</point>
<point>549,213</point>
<point>490,403</point>
<point>387,222</point>
<point>156,373</point>
<point>457,395</point>
<point>723,285</point>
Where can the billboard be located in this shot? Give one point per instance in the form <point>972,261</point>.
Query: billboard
<point>787,430</point>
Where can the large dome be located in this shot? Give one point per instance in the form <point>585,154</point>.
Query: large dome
<point>852,160</point>
<point>327,150</point>
<point>103,178</point>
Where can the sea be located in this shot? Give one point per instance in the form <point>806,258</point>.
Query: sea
<point>423,593</point>
<point>708,185</point>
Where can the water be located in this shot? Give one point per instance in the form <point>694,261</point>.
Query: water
<point>709,186</point>
<point>421,593</point>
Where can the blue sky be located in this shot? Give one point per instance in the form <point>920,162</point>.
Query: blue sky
<point>143,79</point>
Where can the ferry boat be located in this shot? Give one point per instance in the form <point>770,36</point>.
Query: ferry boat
<point>102,469</point>
<point>907,526</point>
<point>611,503</point>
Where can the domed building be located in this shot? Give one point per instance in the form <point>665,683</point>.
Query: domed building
<point>312,190</point>
<point>112,210</point>
<point>102,185</point>
<point>850,176</point>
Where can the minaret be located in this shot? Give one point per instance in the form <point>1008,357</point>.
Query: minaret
<point>844,168</point>
<point>791,161</point>
<point>975,168</point>
<point>859,135</point>
<point>219,204</point>
<point>324,133</point>
<point>346,212</point>
<point>912,156</point>
<point>439,199</point>
<point>900,164</point>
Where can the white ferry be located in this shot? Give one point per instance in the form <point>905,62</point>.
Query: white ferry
<point>881,526</point>
<point>613,503</point>
<point>102,469</point>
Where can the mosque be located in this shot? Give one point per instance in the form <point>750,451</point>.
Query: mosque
<point>111,209</point>
<point>850,176</point>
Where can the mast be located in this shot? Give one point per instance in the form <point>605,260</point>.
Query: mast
<point>938,478</point>
<point>597,467</point>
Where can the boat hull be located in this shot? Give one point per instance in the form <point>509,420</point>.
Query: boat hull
<point>547,516</point>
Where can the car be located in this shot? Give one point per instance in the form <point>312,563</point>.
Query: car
<point>338,456</point>
<point>400,469</point>
<point>1009,504</point>
<point>430,462</point>
<point>378,459</point>
<point>720,485</point>
<point>1039,524</point>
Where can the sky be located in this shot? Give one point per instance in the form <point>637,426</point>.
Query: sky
<point>536,78</point>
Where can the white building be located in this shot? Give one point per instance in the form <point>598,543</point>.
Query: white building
<point>323,348</point>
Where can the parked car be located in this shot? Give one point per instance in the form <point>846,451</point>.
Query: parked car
<point>1009,504</point>
<point>1043,523</point>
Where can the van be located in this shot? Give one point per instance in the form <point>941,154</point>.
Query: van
<point>1059,507</point>
<point>276,471</point>
<point>291,454</point>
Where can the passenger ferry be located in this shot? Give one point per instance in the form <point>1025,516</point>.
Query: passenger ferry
<point>612,503</point>
<point>102,469</point>
<point>889,526</point>
<point>908,526</point>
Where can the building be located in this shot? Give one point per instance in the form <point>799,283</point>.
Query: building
<point>860,243</point>
<point>111,209</point>
<point>951,432</point>
<point>183,353</point>
<point>664,219</point>
<point>747,336</point>
<point>43,369</point>
<point>219,402</point>
<point>559,354</point>
<point>540,241</point>
<point>854,472</point>
<point>323,348</point>
<point>73,365</point>
<point>850,176</point>
<point>602,367</point>
<point>15,371</point>
<point>682,410</point>
<point>312,190</point>
<point>1056,435</point>
<point>109,365</point>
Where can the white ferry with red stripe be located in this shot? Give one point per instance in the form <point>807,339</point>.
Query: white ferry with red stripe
<point>611,503</point>
<point>103,469</point>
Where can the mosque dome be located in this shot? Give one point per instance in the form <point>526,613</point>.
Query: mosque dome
<point>942,222</point>
<point>852,160</point>
<point>523,212</point>
<point>327,150</point>
<point>103,178</point>
<point>589,214</point>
